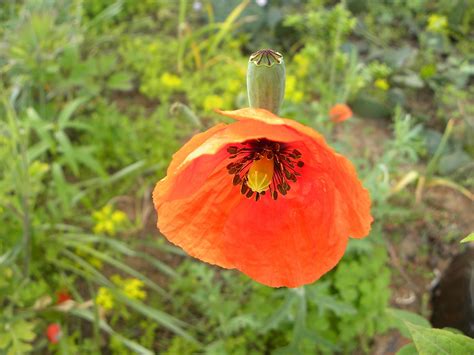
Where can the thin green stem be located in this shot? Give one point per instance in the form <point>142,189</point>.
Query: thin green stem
<point>22,183</point>
<point>181,44</point>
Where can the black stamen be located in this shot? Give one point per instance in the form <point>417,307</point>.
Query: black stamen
<point>237,180</point>
<point>285,162</point>
<point>233,150</point>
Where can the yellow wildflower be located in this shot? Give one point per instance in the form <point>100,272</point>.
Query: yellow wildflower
<point>437,23</point>
<point>212,101</point>
<point>104,299</point>
<point>302,65</point>
<point>291,92</point>
<point>133,288</point>
<point>382,84</point>
<point>107,220</point>
<point>170,81</point>
<point>119,217</point>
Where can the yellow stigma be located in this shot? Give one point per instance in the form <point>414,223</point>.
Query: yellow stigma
<point>260,175</point>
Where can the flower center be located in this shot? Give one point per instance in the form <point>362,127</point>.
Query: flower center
<point>260,175</point>
<point>262,165</point>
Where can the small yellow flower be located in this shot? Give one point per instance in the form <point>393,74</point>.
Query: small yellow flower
<point>437,23</point>
<point>170,81</point>
<point>302,65</point>
<point>382,84</point>
<point>107,220</point>
<point>212,101</point>
<point>133,288</point>
<point>291,92</point>
<point>119,217</point>
<point>104,299</point>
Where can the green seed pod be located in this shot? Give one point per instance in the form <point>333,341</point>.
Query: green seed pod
<point>266,80</point>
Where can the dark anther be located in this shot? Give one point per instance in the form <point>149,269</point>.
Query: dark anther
<point>285,165</point>
<point>237,180</point>
<point>281,189</point>
<point>233,150</point>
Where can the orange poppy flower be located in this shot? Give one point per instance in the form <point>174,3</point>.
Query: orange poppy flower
<point>340,113</point>
<point>264,195</point>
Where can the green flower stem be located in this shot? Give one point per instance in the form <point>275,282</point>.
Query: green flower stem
<point>266,80</point>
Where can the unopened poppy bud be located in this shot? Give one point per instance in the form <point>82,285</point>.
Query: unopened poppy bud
<point>266,80</point>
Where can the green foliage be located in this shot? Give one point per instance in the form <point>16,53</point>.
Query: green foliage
<point>16,337</point>
<point>439,341</point>
<point>348,304</point>
<point>336,74</point>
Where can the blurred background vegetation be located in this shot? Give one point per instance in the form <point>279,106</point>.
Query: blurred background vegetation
<point>96,95</point>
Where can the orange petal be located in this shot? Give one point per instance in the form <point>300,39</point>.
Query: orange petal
<point>288,242</point>
<point>339,113</point>
<point>342,171</point>
<point>195,222</point>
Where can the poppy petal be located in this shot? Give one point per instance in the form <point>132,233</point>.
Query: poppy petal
<point>357,208</point>
<point>288,242</point>
<point>195,223</point>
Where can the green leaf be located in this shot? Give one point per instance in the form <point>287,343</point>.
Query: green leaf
<point>120,81</point>
<point>437,341</point>
<point>449,163</point>
<point>401,317</point>
<point>66,113</point>
<point>24,330</point>
<point>408,349</point>
<point>16,337</point>
<point>324,301</point>
<point>469,238</point>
